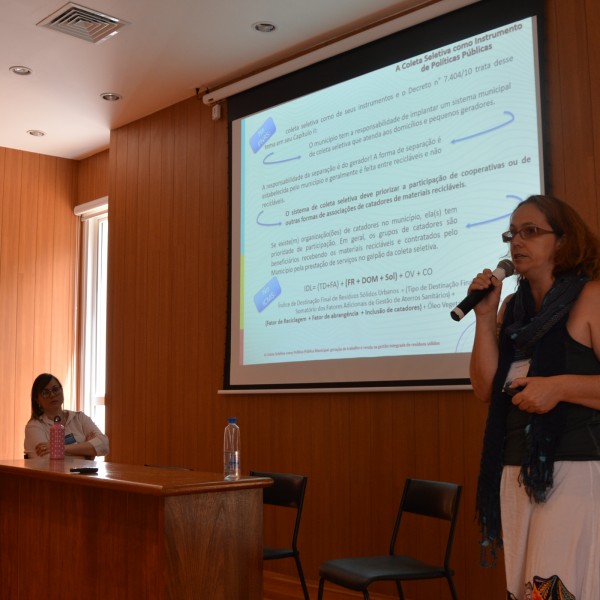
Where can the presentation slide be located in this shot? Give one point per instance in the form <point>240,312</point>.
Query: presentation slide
<point>365,209</point>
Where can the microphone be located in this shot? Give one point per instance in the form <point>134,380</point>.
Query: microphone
<point>504,269</point>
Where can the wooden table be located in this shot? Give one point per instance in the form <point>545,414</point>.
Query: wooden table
<point>130,532</point>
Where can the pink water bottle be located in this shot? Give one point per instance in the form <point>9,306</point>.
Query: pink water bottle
<point>57,440</point>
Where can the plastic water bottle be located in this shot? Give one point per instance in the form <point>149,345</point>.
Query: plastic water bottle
<point>57,439</point>
<point>231,450</point>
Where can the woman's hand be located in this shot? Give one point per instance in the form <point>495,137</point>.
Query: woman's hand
<point>538,394</point>
<point>42,449</point>
<point>489,303</point>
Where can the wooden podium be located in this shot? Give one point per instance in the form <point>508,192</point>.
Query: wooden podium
<point>129,532</point>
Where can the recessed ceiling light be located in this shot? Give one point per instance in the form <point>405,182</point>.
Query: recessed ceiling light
<point>110,96</point>
<point>264,27</point>
<point>20,70</point>
<point>36,133</point>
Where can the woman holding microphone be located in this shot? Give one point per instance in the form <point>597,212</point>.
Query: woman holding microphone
<point>536,361</point>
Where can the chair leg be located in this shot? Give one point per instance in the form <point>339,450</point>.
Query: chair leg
<point>301,575</point>
<point>452,588</point>
<point>321,585</point>
<point>400,590</point>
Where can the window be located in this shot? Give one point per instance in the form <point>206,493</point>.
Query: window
<point>92,311</point>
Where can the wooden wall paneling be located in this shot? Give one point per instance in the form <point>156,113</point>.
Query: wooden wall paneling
<point>92,177</point>
<point>142,381</point>
<point>135,190</point>
<point>28,235</point>
<point>365,445</point>
<point>8,292</point>
<point>142,359</point>
<point>339,521</point>
<point>257,454</point>
<point>282,445</point>
<point>192,281</point>
<point>169,354</point>
<point>404,415</point>
<point>576,103</point>
<point>175,244</point>
<point>143,373</point>
<point>63,284</point>
<point>551,102</point>
<point>427,424</point>
<point>148,380</point>
<point>592,10</point>
<point>44,270</point>
<point>148,376</point>
<point>37,266</point>
<point>120,426</point>
<point>187,304</point>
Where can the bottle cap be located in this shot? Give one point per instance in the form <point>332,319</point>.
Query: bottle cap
<point>232,420</point>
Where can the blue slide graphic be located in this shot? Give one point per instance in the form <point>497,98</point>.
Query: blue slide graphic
<point>276,162</point>
<point>517,198</point>
<point>267,294</point>
<point>468,137</point>
<point>262,135</point>
<point>259,222</point>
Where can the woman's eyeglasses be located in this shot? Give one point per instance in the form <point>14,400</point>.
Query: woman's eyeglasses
<point>53,391</point>
<point>529,231</point>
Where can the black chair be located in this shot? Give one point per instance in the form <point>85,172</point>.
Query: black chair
<point>287,491</point>
<point>430,498</point>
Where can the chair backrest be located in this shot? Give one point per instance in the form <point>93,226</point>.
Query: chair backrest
<point>435,499</point>
<point>288,491</point>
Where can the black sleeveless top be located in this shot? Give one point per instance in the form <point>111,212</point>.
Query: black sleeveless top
<point>580,438</point>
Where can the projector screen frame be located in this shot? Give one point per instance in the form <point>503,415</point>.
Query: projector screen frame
<point>452,26</point>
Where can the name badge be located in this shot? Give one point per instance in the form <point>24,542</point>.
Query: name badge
<point>519,368</point>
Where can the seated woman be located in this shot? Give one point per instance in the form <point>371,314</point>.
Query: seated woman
<point>82,436</point>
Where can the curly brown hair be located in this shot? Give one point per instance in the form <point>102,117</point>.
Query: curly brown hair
<point>580,251</point>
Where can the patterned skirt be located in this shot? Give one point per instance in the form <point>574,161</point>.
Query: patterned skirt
<point>552,550</point>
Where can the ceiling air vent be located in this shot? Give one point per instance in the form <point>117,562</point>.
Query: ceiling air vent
<point>84,23</point>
